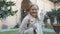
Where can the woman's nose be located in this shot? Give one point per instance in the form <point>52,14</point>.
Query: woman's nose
<point>35,10</point>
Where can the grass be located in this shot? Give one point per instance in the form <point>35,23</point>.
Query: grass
<point>10,32</point>
<point>16,31</point>
<point>47,33</point>
<point>49,27</point>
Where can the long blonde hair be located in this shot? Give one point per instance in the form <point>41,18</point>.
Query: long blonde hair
<point>37,8</point>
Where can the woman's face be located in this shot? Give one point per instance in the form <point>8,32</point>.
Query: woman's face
<point>34,11</point>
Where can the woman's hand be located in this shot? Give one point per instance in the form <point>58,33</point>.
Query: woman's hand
<point>34,26</point>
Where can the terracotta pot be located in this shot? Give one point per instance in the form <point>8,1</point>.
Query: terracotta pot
<point>56,28</point>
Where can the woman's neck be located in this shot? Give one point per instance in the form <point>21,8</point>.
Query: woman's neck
<point>36,17</point>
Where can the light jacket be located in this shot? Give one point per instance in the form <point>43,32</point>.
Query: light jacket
<point>26,25</point>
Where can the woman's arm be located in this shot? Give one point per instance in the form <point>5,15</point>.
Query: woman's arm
<point>23,26</point>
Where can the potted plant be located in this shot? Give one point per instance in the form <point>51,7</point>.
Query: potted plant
<point>54,16</point>
<point>50,15</point>
<point>57,26</point>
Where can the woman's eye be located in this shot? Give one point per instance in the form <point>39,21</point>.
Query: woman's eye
<point>34,9</point>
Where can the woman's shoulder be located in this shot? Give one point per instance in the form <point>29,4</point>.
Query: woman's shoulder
<point>27,17</point>
<point>25,20</point>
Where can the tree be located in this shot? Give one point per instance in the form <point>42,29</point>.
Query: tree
<point>24,8</point>
<point>6,10</point>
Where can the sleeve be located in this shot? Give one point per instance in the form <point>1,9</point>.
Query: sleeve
<point>30,30</point>
<point>23,26</point>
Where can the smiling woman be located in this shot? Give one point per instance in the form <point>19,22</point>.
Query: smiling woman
<point>31,24</point>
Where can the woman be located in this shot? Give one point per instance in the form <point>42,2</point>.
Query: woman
<point>30,24</point>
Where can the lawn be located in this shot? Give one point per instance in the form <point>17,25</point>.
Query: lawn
<point>16,32</point>
<point>47,33</point>
<point>13,31</point>
<point>49,27</point>
<point>10,32</point>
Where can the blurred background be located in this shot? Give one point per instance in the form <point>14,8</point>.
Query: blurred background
<point>8,23</point>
